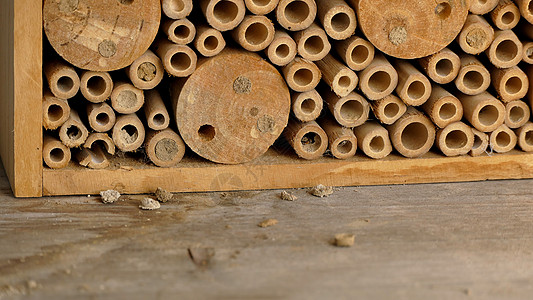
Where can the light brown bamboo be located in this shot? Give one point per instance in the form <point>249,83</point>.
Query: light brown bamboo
<point>96,87</point>
<point>101,139</point>
<point>261,7</point>
<point>379,79</point>
<point>126,98</point>
<point>62,78</point>
<point>209,41</point>
<point>356,52</point>
<point>282,50</point>
<point>476,36</point>
<point>178,60</point>
<point>342,141</point>
<point>373,139</point>
<point>55,154</point>
<point>308,139</point>
<point>301,75</point>
<point>413,87</point>
<point>525,137</point>
<point>73,132</point>
<point>295,15</point>
<point>525,7</point>
<point>506,49</point>
<point>455,139</point>
<point>155,111</point>
<point>101,116</point>
<point>177,9</point>
<point>481,143</point>
<point>503,139</point>
<point>164,148</point>
<point>307,106</point>
<point>128,133</point>
<point>442,107</point>
<point>517,113</point>
<point>505,15</point>
<point>481,7</point>
<point>94,158</point>
<point>510,84</point>
<point>337,17</point>
<point>483,111</point>
<point>56,111</point>
<point>389,109</point>
<point>146,72</point>
<point>413,134</point>
<point>180,31</point>
<point>255,33</point>
<point>527,55</point>
<point>349,111</point>
<point>223,15</point>
<point>340,78</point>
<point>442,67</point>
<point>312,43</point>
<point>473,77</point>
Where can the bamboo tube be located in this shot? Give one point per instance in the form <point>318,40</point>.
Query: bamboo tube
<point>126,98</point>
<point>96,87</point>
<point>282,50</point>
<point>128,133</point>
<point>529,95</point>
<point>180,32</point>
<point>473,77</point>
<point>374,140</point>
<point>356,52</point>
<point>379,79</point>
<point>312,42</point>
<point>177,9</point>
<point>254,33</point>
<point>525,137</point>
<point>146,72</point>
<point>157,117</point>
<point>503,139</point>
<point>476,36</point>
<point>389,109</point>
<point>481,7</point>
<point>337,17</point>
<point>63,80</point>
<point>442,67</point>
<point>301,75</point>
<point>307,106</point>
<point>510,84</point>
<point>506,15</point>
<point>342,141</point>
<point>223,15</point>
<point>455,139</point>
<point>55,154</point>
<point>94,158</point>
<point>527,55</point>
<point>481,143</point>
<point>101,35</point>
<point>209,41</point>
<point>442,107</point>
<point>413,134</point>
<point>525,7</point>
<point>506,49</point>
<point>340,78</point>
<point>308,139</point>
<point>483,111</point>
<point>101,116</point>
<point>101,139</point>
<point>178,60</point>
<point>295,15</point>
<point>56,111</point>
<point>349,111</point>
<point>413,87</point>
<point>164,148</point>
<point>73,133</point>
<point>261,7</point>
<point>517,113</point>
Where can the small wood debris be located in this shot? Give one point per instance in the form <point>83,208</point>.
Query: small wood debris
<point>149,204</point>
<point>163,195</point>
<point>344,240</point>
<point>110,196</point>
<point>201,257</point>
<point>288,196</point>
<point>321,191</point>
<point>268,223</point>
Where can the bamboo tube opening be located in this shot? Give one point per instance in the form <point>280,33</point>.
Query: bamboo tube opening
<point>296,15</point>
<point>513,85</point>
<point>442,107</point>
<point>528,139</point>
<point>209,41</point>
<point>311,142</point>
<point>481,143</point>
<point>476,35</point>
<point>297,11</point>
<point>96,86</point>
<point>503,139</point>
<point>356,52</point>
<point>377,144</point>
<point>55,112</point>
<point>473,77</point>
<point>481,7</point>
<point>57,155</point>
<point>345,81</point>
<point>525,137</point>
<point>488,115</point>
<point>176,9</point>
<point>314,45</point>
<point>473,80</point>
<point>307,106</point>
<point>128,133</point>
<point>445,68</point>
<point>261,7</point>
<point>527,56</point>
<point>391,110</point>
<point>282,50</point>
<point>360,54</point>
<point>351,111</point>
<point>517,114</point>
<point>509,18</point>
<point>65,84</point>
<point>207,132</point>
<point>340,22</point>
<point>100,140</point>
<point>225,11</point>
<point>447,111</point>
<point>380,81</point>
<point>416,90</point>
<point>308,139</point>
<point>414,136</point>
<point>506,50</point>
<point>180,31</point>
<point>146,72</point>
<point>126,98</point>
<point>159,120</point>
<point>164,148</point>
<point>101,117</point>
<point>257,33</point>
<point>303,77</point>
<point>456,139</point>
<point>180,61</point>
<point>373,139</point>
<point>345,146</point>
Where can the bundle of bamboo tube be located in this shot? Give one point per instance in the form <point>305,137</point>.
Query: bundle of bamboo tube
<point>320,74</point>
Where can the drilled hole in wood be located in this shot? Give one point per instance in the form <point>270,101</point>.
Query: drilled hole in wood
<point>506,50</point>
<point>444,67</point>
<point>282,51</point>
<point>351,110</point>
<point>456,139</point>
<point>55,112</point>
<point>256,33</point>
<point>340,22</point>
<point>447,111</point>
<point>207,132</point>
<point>414,136</point>
<point>377,144</point>
<point>416,90</point>
<point>297,11</point>
<point>57,155</point>
<point>360,54</point>
<point>345,147</point>
<point>180,61</point>
<point>513,85</point>
<point>443,10</point>
<point>473,80</point>
<point>225,11</point>
<point>314,45</point>
<point>311,142</point>
<point>517,114</point>
<point>65,84</point>
<point>488,115</point>
<point>96,85</point>
<point>379,81</point>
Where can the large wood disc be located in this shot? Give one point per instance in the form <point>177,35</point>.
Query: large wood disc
<point>101,35</point>
<point>411,29</point>
<point>233,108</point>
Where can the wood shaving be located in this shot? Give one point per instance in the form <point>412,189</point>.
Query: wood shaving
<point>288,196</point>
<point>321,191</point>
<point>163,195</point>
<point>110,196</point>
<point>268,223</point>
<point>344,240</point>
<point>149,204</point>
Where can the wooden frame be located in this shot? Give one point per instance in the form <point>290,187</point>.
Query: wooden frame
<point>21,144</point>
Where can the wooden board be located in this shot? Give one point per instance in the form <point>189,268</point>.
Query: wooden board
<point>277,170</point>
<point>21,95</point>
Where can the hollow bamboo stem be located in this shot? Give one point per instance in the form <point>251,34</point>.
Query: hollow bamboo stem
<point>146,72</point>
<point>307,106</point>
<point>342,141</point>
<point>296,15</point>
<point>373,139</point>
<point>73,132</point>
<point>340,78</point>
<point>164,148</point>
<point>349,111</point>
<point>180,32</point>
<point>308,139</point>
<point>96,87</point>
<point>337,17</point>
<point>442,107</point>
<point>312,42</point>
<point>356,52</point>
<point>503,139</point>
<point>101,116</point>
<point>413,134</point>
<point>379,79</point>
<point>126,98</point>
<point>442,67</point>
<point>302,75</point>
<point>56,111</point>
<point>389,109</point>
<point>255,33</point>
<point>128,133</point>
<point>483,111</point>
<point>282,50</point>
<point>62,78</point>
<point>55,154</point>
<point>178,60</point>
<point>209,41</point>
<point>455,139</point>
<point>155,111</point>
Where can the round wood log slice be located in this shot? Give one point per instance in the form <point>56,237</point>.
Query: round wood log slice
<point>101,35</point>
<point>411,29</point>
<point>233,108</point>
